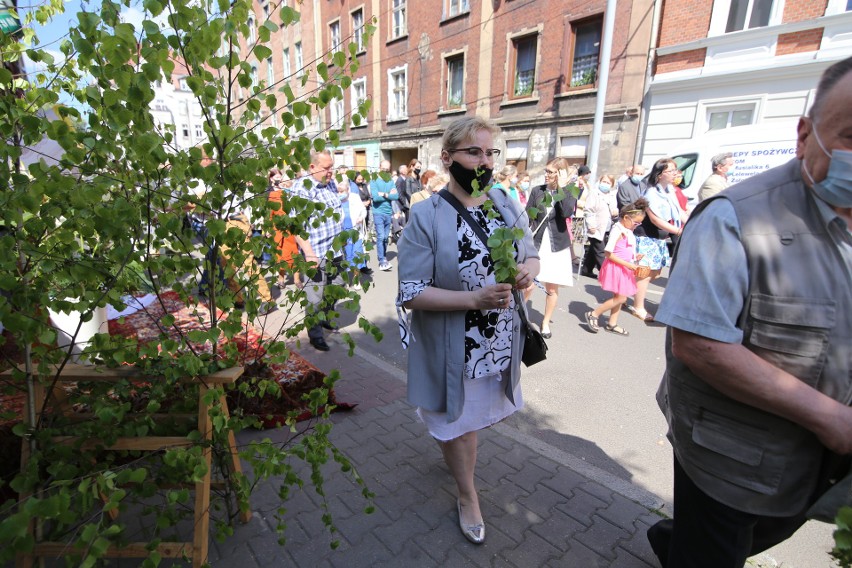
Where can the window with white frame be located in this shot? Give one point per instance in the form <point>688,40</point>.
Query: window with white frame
<point>574,148</point>
<point>252,23</point>
<point>399,24</point>
<point>334,35</point>
<point>748,14</point>
<point>199,131</point>
<point>358,29</point>
<point>270,72</point>
<point>523,55</point>
<point>517,153</point>
<point>398,93</point>
<point>297,53</point>
<point>586,51</point>
<point>265,12</point>
<point>737,15</point>
<point>182,84</point>
<point>286,62</point>
<point>456,7</point>
<point>358,96</point>
<point>336,112</point>
<point>721,117</point>
<point>455,81</point>
<point>254,79</point>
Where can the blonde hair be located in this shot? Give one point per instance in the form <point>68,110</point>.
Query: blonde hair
<point>506,172</point>
<point>437,181</point>
<point>464,129</point>
<point>607,177</point>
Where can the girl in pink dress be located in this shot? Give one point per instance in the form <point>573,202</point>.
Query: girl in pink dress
<point>617,274</point>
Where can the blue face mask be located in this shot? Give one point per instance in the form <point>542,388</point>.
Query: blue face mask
<point>636,179</point>
<point>525,185</point>
<point>836,188</point>
<point>604,187</point>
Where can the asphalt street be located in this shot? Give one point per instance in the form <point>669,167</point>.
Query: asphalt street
<point>594,396</point>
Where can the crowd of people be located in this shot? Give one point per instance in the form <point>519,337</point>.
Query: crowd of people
<point>757,388</point>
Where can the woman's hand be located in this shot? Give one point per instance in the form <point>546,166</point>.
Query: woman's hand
<point>592,230</point>
<point>493,297</point>
<point>524,278</point>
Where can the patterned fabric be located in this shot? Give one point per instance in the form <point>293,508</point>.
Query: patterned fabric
<point>488,333</point>
<point>326,224</point>
<point>655,250</point>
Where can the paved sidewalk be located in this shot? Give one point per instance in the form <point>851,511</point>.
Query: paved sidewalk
<point>541,507</point>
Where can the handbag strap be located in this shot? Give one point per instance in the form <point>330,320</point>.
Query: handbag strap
<point>465,214</point>
<point>480,232</point>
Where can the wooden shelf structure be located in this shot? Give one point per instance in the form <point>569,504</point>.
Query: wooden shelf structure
<point>197,549</point>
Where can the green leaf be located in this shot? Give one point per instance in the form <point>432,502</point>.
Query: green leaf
<point>261,52</point>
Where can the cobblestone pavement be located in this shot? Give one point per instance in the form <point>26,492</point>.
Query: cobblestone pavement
<point>541,507</point>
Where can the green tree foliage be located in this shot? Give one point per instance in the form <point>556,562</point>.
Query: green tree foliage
<point>105,218</point>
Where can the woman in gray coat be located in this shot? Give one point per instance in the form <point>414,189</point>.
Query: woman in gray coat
<point>463,338</point>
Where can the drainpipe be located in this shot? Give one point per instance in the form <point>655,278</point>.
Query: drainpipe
<point>646,99</point>
<point>600,104</point>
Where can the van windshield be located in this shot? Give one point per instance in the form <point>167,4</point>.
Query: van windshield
<point>686,164</point>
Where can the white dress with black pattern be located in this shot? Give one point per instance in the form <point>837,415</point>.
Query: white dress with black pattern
<point>488,340</point>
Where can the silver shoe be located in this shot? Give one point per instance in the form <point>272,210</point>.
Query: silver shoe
<point>473,533</point>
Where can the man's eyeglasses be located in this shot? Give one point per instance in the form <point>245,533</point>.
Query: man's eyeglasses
<point>477,152</point>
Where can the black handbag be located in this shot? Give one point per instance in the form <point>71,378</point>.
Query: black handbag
<point>535,347</point>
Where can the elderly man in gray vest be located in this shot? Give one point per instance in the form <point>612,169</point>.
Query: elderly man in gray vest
<point>718,180</point>
<point>758,381</point>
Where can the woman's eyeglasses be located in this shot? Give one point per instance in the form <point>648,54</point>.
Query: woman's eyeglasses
<point>550,172</point>
<point>477,152</point>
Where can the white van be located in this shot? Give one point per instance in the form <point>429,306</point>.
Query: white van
<point>755,147</point>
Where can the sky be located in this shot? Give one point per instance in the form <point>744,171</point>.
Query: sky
<point>51,35</point>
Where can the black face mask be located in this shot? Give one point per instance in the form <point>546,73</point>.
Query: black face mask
<point>417,171</point>
<point>465,177</point>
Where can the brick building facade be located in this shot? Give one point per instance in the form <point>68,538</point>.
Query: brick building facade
<point>728,63</point>
<point>531,66</point>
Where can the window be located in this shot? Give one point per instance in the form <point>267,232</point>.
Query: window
<point>184,130</point>
<point>738,15</point>
<point>251,25</point>
<point>336,111</point>
<point>748,14</point>
<point>517,152</point>
<point>358,29</point>
<point>574,148</point>
<point>270,72</point>
<point>334,35</point>
<point>286,63</point>
<point>455,81</point>
<point>298,54</point>
<point>359,95</point>
<point>586,55</point>
<point>199,131</point>
<point>397,93</point>
<point>399,26</point>
<point>253,78</point>
<point>523,78</point>
<point>727,117</point>
<point>265,12</point>
<point>457,7</point>
<point>183,85</point>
